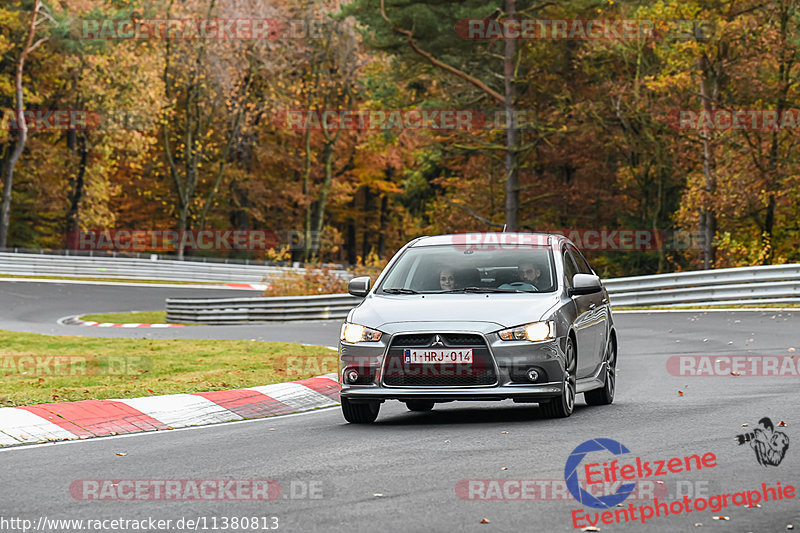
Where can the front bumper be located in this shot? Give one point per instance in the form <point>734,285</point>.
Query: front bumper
<point>520,393</point>
<point>510,360</point>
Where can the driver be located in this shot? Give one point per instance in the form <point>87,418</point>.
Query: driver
<point>529,273</point>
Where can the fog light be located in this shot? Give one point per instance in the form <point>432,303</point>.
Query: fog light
<point>351,376</point>
<point>532,374</point>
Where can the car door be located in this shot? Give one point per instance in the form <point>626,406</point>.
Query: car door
<point>598,307</point>
<point>584,332</point>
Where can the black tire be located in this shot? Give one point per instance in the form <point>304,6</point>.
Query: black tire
<point>563,405</point>
<point>605,395</point>
<point>419,405</point>
<point>360,413</point>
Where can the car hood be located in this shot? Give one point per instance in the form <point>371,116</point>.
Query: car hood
<point>503,310</point>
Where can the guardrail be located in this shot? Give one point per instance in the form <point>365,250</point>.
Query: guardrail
<point>735,286</point>
<point>155,268</point>
<point>247,310</point>
<point>747,285</point>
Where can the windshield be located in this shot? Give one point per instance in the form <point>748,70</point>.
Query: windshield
<point>451,269</point>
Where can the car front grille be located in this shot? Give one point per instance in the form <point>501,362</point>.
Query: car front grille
<point>398,373</point>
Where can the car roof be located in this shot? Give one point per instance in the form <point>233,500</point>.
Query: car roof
<point>532,238</point>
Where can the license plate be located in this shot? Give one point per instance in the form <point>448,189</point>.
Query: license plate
<point>431,357</point>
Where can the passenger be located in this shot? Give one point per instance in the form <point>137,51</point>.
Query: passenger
<point>447,279</point>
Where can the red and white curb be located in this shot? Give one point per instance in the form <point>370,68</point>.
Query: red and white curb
<point>253,286</point>
<point>75,321</point>
<point>96,418</point>
<point>143,285</point>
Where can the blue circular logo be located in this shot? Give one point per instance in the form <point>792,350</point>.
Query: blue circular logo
<point>571,474</point>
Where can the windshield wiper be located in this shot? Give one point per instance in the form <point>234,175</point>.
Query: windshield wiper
<point>481,290</point>
<point>399,291</point>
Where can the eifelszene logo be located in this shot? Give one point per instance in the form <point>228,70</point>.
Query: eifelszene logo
<point>571,474</point>
<point>770,445</point>
<point>613,471</point>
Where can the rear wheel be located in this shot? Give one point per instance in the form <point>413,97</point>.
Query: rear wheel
<point>562,406</point>
<point>605,395</point>
<point>419,405</point>
<point>360,413</point>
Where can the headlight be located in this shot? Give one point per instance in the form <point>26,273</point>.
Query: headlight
<point>355,333</point>
<point>534,332</point>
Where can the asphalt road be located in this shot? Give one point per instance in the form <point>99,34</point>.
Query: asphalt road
<point>401,473</point>
<point>36,307</point>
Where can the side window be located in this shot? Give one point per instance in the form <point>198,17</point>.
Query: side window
<point>583,264</point>
<point>569,266</point>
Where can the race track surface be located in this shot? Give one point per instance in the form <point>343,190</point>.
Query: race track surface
<point>402,473</point>
<point>36,308</point>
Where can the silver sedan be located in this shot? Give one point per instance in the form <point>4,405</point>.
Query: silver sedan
<point>486,316</point>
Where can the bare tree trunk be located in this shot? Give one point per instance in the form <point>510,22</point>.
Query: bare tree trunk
<point>22,136</point>
<point>512,176</point>
<point>775,175</point>
<point>708,219</point>
<point>365,242</point>
<point>306,195</point>
<point>351,231</point>
<point>77,145</point>
<point>322,198</point>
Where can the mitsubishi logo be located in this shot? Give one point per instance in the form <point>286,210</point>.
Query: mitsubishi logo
<point>437,341</point>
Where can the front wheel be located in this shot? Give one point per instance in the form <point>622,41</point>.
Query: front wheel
<point>605,395</point>
<point>562,406</point>
<point>360,413</point>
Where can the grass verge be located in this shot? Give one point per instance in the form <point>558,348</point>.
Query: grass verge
<point>48,368</point>
<point>140,317</point>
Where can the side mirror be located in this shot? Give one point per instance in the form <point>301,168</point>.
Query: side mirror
<point>585,284</point>
<point>359,286</point>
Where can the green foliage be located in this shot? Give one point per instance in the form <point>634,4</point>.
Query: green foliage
<point>597,148</point>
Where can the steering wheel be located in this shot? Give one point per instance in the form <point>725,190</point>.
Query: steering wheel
<point>521,285</point>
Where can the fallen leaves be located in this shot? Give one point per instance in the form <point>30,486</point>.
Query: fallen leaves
<point>782,424</point>
<point>122,453</point>
<point>680,393</point>
<point>484,520</point>
<point>720,517</point>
